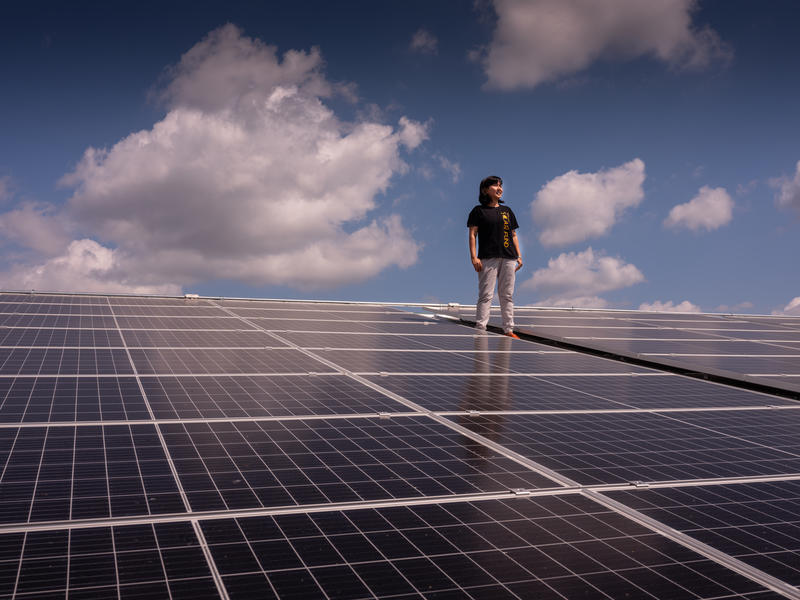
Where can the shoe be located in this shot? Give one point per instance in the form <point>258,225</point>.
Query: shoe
<point>511,334</point>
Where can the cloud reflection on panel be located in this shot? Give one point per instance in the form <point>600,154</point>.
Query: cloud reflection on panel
<point>249,176</point>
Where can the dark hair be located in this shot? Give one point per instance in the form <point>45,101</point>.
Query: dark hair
<point>483,197</point>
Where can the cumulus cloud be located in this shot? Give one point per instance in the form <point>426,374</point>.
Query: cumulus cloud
<point>710,209</point>
<point>411,134</point>
<point>575,279</point>
<point>87,266</point>
<point>793,308</point>
<point>453,168</point>
<point>735,308</point>
<point>669,306</point>
<point>576,206</point>
<point>424,42</point>
<point>37,226</point>
<point>5,188</point>
<point>250,176</point>
<point>576,302</point>
<point>543,40</point>
<point>230,70</point>
<point>788,195</point>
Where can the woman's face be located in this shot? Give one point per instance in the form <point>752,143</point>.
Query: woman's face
<point>495,192</point>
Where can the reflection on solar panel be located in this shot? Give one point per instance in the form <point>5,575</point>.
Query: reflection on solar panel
<point>761,349</point>
<point>201,448</point>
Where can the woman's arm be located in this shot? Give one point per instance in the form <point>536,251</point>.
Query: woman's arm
<point>516,246</point>
<point>473,252</point>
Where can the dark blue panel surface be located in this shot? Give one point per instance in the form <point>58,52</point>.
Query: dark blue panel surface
<point>758,523</point>
<point>625,447</point>
<point>64,361</point>
<point>245,396</point>
<point>286,463</point>
<point>86,472</point>
<point>223,361</point>
<point>61,399</point>
<point>543,548</point>
<point>136,561</point>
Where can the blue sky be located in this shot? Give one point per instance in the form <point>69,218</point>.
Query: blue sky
<point>333,150</point>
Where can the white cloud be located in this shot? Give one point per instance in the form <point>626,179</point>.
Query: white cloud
<point>453,168</point>
<point>424,42</point>
<point>788,195</point>
<point>710,209</point>
<point>793,308</point>
<point>35,226</point>
<point>86,266</point>
<point>577,302</point>
<point>579,277</point>
<point>735,308</point>
<point>249,176</point>
<point>230,70</point>
<point>5,188</point>
<point>542,40</point>
<point>576,206</point>
<point>411,134</point>
<point>669,306</point>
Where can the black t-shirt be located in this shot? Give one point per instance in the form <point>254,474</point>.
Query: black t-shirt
<point>495,225</point>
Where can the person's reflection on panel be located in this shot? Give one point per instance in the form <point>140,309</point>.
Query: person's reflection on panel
<point>488,387</point>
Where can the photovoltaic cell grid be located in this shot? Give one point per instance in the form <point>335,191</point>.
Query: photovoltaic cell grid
<point>245,396</point>
<point>478,392</point>
<point>84,472</point>
<point>235,431</point>
<point>758,523</point>
<point>764,348</point>
<point>617,448</point>
<point>65,399</point>
<point>160,560</point>
<point>54,338</point>
<point>548,548</point>
<point>272,463</point>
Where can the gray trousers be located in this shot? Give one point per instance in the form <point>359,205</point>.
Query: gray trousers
<point>500,271</point>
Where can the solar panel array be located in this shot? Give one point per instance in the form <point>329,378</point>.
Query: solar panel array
<point>763,349</point>
<point>203,448</point>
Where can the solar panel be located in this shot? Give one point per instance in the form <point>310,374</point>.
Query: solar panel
<point>527,548</point>
<point>161,560</point>
<point>477,392</point>
<point>183,361</point>
<point>743,347</point>
<point>242,396</point>
<point>155,447</point>
<point>758,523</point>
<point>64,361</point>
<point>50,338</point>
<point>166,338</point>
<point>606,448</point>
<point>68,399</point>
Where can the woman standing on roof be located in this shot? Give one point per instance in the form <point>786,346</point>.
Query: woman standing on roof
<point>498,257</point>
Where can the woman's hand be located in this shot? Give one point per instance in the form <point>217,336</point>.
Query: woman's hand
<point>519,264</point>
<point>477,265</point>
